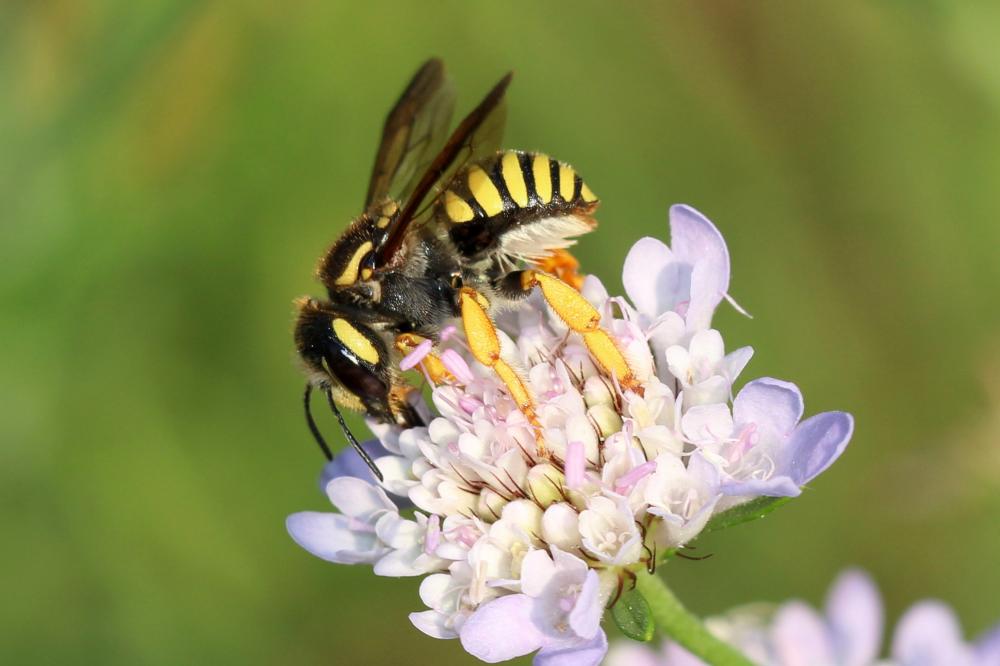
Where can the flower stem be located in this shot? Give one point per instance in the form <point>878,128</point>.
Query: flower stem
<point>682,627</point>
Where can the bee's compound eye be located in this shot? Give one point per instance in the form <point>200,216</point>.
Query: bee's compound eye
<point>353,359</point>
<point>367,266</point>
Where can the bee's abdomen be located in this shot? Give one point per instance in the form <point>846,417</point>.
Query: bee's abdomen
<point>509,190</point>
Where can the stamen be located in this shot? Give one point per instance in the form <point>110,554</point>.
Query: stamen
<point>574,465</point>
<point>627,481</point>
<point>457,366</point>
<point>433,536</point>
<point>418,354</point>
<point>447,332</point>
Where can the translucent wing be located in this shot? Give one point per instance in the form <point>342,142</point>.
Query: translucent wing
<point>478,135</point>
<point>413,133</point>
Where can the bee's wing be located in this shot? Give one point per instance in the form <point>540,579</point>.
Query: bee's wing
<point>413,133</point>
<point>478,135</point>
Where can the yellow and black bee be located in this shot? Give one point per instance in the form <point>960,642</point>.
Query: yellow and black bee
<point>452,228</point>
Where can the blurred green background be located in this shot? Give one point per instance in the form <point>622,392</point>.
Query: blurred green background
<point>170,171</point>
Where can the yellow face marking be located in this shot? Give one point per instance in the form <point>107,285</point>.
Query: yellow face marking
<point>485,192</point>
<point>389,208</point>
<point>513,178</point>
<point>382,222</point>
<point>350,274</point>
<point>366,273</point>
<point>543,178</point>
<point>567,182</point>
<point>355,341</point>
<point>457,209</point>
<point>587,194</point>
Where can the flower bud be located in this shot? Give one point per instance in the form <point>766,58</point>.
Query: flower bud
<point>545,483</point>
<point>606,418</point>
<point>597,392</point>
<point>560,526</point>
<point>490,505</point>
<point>524,514</point>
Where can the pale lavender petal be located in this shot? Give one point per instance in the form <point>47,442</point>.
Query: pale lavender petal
<point>856,618</point>
<point>574,465</point>
<point>537,570</point>
<point>348,463</point>
<point>773,405</point>
<point>987,647</point>
<point>816,443</point>
<point>800,637</point>
<point>501,629</point>
<point>585,618</point>
<point>433,623</point>
<point>697,242</point>
<point>589,653</point>
<point>646,278</point>
<point>334,537</point>
<point>776,486</point>
<point>735,361</point>
<point>929,634</point>
<point>358,499</point>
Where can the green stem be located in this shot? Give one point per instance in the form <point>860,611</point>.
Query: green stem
<point>684,628</point>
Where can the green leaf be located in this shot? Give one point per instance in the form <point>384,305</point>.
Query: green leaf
<point>744,513</point>
<point>633,616</point>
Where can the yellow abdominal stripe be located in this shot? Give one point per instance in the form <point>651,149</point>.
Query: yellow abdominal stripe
<point>543,177</point>
<point>350,274</point>
<point>567,182</point>
<point>457,209</point>
<point>513,178</point>
<point>485,192</point>
<point>355,341</point>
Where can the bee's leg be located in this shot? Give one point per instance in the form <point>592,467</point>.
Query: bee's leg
<point>564,266</point>
<point>481,335</point>
<point>408,343</point>
<point>402,411</point>
<point>580,316</point>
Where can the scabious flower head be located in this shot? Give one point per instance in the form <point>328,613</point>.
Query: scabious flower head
<point>848,632</point>
<point>526,531</point>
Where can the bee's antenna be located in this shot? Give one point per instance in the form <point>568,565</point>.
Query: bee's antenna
<point>312,424</point>
<point>350,437</point>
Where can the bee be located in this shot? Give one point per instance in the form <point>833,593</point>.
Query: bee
<point>452,228</point>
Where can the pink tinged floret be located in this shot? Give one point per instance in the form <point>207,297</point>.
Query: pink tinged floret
<point>627,481</point>
<point>457,366</point>
<point>447,332</point>
<point>433,537</point>
<point>574,465</point>
<point>469,404</point>
<point>415,357</point>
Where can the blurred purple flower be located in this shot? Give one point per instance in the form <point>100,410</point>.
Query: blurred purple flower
<point>848,633</point>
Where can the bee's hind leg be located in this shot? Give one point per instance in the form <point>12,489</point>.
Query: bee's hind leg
<point>579,315</point>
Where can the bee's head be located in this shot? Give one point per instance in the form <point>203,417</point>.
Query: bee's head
<point>352,258</point>
<point>343,356</point>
